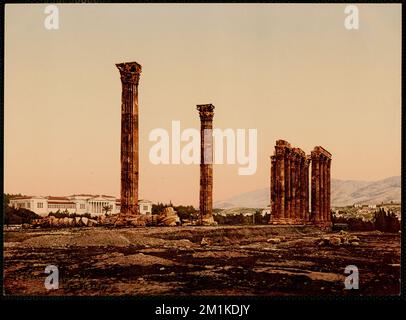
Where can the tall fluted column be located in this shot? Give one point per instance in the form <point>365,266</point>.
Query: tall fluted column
<point>298,190</point>
<point>294,187</point>
<point>328,191</point>
<point>130,75</point>
<point>320,187</point>
<point>206,163</point>
<point>302,188</point>
<point>315,188</point>
<point>279,183</point>
<point>274,211</point>
<point>306,185</point>
<point>288,182</point>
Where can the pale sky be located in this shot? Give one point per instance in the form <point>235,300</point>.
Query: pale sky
<point>291,71</point>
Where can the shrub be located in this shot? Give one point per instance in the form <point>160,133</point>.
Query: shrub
<point>18,216</point>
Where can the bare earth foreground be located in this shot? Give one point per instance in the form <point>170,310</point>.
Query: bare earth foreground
<point>175,261</point>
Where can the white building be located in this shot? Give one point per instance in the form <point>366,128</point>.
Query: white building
<point>145,206</point>
<point>78,203</point>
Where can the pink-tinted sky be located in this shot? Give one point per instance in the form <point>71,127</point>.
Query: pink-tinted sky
<point>290,71</point>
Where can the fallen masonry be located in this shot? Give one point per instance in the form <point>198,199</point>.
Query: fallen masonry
<point>168,217</point>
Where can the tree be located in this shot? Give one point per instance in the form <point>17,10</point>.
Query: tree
<point>8,196</point>
<point>19,216</point>
<point>107,208</point>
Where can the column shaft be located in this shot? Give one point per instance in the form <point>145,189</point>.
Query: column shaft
<point>274,212</point>
<point>288,189</point>
<point>328,190</point>
<point>315,189</point>
<point>130,74</point>
<point>206,163</point>
<point>298,191</point>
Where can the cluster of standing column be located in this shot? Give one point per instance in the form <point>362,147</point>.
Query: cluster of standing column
<point>290,186</point>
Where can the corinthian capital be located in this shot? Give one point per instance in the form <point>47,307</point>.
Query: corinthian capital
<point>129,72</point>
<point>206,112</point>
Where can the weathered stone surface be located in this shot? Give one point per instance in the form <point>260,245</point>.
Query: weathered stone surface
<point>130,75</point>
<point>168,217</point>
<point>335,241</point>
<point>290,186</point>
<point>91,222</point>
<point>85,221</point>
<point>321,184</point>
<point>341,238</point>
<point>206,163</point>
<point>205,242</point>
<point>274,240</point>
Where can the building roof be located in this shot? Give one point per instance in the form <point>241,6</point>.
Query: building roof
<point>61,202</point>
<point>21,197</point>
<point>57,198</point>
<point>91,195</point>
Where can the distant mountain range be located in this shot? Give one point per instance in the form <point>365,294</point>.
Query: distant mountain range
<point>343,192</point>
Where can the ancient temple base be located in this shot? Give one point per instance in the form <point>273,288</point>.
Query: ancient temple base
<point>328,225</point>
<point>207,221</point>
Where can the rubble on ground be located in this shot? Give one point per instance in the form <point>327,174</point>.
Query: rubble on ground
<point>53,222</point>
<point>342,238</point>
<point>168,217</point>
<point>275,240</point>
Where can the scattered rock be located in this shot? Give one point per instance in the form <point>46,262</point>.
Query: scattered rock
<point>353,239</point>
<point>342,238</point>
<point>168,217</point>
<point>208,221</point>
<point>274,240</point>
<point>335,241</point>
<point>205,242</point>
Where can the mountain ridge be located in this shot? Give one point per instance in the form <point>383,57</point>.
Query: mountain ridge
<point>343,192</point>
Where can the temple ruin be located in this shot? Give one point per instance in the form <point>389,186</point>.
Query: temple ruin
<point>130,75</point>
<point>206,164</point>
<point>290,186</point>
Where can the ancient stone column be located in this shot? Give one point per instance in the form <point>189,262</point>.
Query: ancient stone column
<point>294,187</point>
<point>320,187</point>
<point>288,183</point>
<point>206,163</point>
<point>280,186</point>
<point>297,214</point>
<point>274,211</point>
<point>306,189</point>
<point>328,192</point>
<point>279,182</point>
<point>130,75</point>
<point>300,179</point>
<point>303,189</point>
<point>315,181</point>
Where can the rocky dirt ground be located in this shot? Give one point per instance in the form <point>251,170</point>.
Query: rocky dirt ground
<point>260,260</point>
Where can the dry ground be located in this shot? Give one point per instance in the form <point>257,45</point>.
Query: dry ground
<point>173,261</point>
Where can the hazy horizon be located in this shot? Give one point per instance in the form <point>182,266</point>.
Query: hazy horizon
<point>293,72</point>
